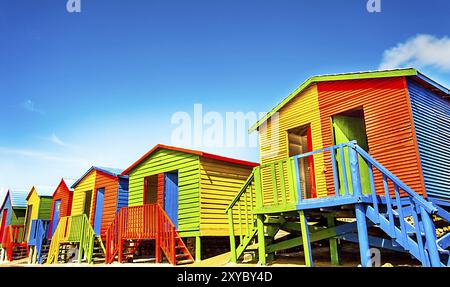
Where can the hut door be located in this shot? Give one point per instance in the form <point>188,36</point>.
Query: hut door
<point>350,126</point>
<point>300,142</point>
<point>171,196</point>
<point>99,210</point>
<point>27,222</point>
<point>56,214</point>
<point>3,223</point>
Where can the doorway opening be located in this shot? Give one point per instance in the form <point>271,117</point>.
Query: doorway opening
<point>27,222</point>
<point>87,203</point>
<point>151,189</point>
<point>348,126</point>
<point>300,142</point>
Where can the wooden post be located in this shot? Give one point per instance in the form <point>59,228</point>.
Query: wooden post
<point>80,248</point>
<point>261,239</point>
<point>198,249</point>
<point>363,237</point>
<point>305,237</point>
<point>430,235</point>
<point>158,236</point>
<point>258,188</point>
<point>334,249</point>
<point>232,236</point>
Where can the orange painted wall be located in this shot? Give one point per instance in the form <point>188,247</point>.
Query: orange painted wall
<point>389,125</point>
<point>111,185</point>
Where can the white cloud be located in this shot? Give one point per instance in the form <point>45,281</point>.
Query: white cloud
<point>40,155</point>
<point>420,51</point>
<point>56,140</point>
<point>30,106</point>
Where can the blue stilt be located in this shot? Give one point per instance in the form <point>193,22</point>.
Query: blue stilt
<point>430,235</point>
<point>363,237</point>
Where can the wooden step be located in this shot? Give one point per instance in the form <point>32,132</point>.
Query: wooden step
<point>182,262</point>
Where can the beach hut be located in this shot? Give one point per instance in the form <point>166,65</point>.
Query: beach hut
<point>61,204</point>
<point>176,195</point>
<point>12,217</point>
<point>97,197</point>
<point>311,164</point>
<point>41,230</point>
<point>37,220</point>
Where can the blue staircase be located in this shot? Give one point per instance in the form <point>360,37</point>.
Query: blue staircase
<point>38,240</point>
<point>384,202</point>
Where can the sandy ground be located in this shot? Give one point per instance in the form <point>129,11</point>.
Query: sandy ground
<point>349,258</point>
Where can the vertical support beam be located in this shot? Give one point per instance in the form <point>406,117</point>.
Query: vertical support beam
<point>258,188</point>
<point>261,239</point>
<point>198,249</point>
<point>354,171</point>
<point>158,236</point>
<point>305,237</point>
<point>80,247</point>
<point>430,235</point>
<point>232,236</point>
<point>334,249</point>
<point>364,249</point>
<point>297,180</point>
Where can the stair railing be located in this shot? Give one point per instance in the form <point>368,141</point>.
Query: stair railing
<point>147,221</point>
<point>13,235</point>
<point>241,219</point>
<point>73,229</point>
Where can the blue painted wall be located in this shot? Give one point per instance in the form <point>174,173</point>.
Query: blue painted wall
<point>122,199</point>
<point>431,115</point>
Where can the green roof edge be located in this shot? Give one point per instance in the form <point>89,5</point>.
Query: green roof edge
<point>338,77</point>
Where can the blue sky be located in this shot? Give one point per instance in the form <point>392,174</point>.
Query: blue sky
<point>100,86</point>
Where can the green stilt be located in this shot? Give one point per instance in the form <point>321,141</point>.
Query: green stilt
<point>334,249</point>
<point>198,249</point>
<point>305,238</point>
<point>261,239</point>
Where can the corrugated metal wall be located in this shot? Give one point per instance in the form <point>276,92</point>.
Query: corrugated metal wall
<point>431,116</point>
<point>220,182</point>
<point>86,184</point>
<point>388,121</point>
<point>111,185</point>
<point>62,193</point>
<point>163,160</point>
<point>300,111</point>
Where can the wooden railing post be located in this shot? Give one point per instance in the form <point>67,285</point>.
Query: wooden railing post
<point>119,239</point>
<point>80,249</point>
<point>354,171</point>
<point>258,188</point>
<point>232,236</point>
<point>157,217</point>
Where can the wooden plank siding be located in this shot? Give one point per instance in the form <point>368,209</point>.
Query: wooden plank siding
<point>164,160</point>
<point>219,184</point>
<point>301,110</point>
<point>86,184</point>
<point>391,139</point>
<point>111,185</point>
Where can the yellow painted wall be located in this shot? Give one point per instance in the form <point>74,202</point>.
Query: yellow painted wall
<point>219,184</point>
<point>33,200</point>
<point>86,184</point>
<point>302,110</point>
